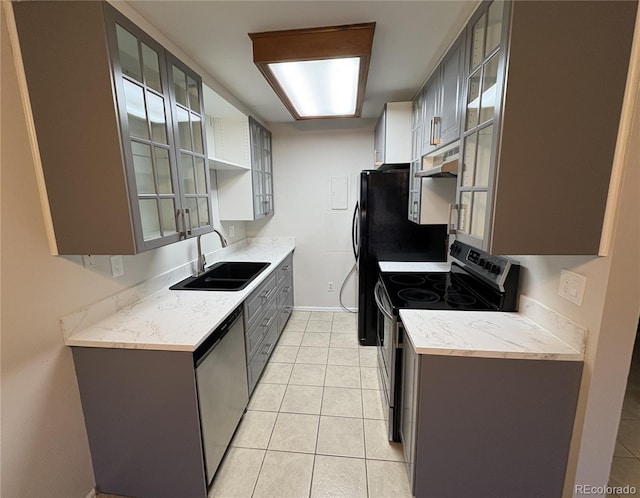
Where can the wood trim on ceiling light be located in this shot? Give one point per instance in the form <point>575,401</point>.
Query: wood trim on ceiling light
<point>330,42</point>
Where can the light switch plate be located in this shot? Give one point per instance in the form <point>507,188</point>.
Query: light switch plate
<point>117,266</point>
<point>572,286</point>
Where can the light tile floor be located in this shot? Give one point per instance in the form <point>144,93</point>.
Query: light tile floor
<point>625,469</point>
<point>315,425</point>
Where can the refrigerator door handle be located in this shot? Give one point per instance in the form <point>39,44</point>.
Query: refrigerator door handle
<point>354,231</point>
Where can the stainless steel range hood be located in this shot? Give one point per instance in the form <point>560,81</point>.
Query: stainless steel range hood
<point>441,164</point>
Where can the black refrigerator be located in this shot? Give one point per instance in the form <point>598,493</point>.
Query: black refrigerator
<point>383,232</point>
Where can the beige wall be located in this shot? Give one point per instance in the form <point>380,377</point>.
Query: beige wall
<point>43,440</point>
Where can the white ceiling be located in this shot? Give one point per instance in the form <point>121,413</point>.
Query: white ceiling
<point>410,38</point>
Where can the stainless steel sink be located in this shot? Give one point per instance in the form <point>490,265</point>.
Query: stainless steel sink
<point>223,276</point>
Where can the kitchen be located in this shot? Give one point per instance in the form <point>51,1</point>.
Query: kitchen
<point>45,448</point>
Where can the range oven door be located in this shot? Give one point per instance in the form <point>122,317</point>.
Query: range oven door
<point>388,357</point>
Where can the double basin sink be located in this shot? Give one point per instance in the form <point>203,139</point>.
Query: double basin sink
<point>223,276</point>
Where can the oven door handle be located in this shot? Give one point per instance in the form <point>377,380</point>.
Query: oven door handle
<point>376,295</point>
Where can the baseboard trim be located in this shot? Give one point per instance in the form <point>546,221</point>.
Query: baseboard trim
<point>323,308</point>
<point>91,493</point>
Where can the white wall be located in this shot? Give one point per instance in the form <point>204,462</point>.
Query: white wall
<point>305,159</point>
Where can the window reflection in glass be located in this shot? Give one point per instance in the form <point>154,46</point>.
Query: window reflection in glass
<point>128,53</point>
<point>494,26</point>
<point>143,167</point>
<point>184,129</point>
<point>196,133</point>
<point>157,118</point>
<point>163,171</point>
<point>136,112</point>
<point>151,68</point>
<point>188,177</point>
<point>180,86</point>
<point>488,99</point>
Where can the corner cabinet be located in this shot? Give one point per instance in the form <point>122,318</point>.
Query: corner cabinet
<point>119,125</point>
<point>539,139</point>
<point>247,194</point>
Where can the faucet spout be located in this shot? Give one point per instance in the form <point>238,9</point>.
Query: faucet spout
<point>223,241</point>
<point>202,261</point>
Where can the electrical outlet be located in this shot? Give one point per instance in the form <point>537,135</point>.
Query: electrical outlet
<point>572,286</point>
<point>330,286</point>
<point>117,266</point>
<point>89,261</point>
<point>232,231</point>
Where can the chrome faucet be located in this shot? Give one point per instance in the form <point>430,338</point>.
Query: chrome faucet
<point>202,261</point>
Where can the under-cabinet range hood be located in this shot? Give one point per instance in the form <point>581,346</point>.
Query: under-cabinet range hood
<point>441,164</point>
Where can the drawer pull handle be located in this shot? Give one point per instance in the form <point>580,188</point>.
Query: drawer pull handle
<point>269,320</point>
<point>286,268</point>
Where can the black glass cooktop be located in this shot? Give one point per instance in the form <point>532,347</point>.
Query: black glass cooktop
<point>432,291</point>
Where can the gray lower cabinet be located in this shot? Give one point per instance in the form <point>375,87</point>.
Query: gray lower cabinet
<point>267,310</point>
<point>119,126</point>
<point>143,422</point>
<point>485,426</point>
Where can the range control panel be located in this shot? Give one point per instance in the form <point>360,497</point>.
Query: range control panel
<point>488,266</point>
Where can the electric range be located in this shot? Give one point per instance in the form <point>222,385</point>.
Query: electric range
<point>477,281</point>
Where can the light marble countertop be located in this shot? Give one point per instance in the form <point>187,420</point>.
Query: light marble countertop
<point>411,266</point>
<point>177,320</point>
<point>483,334</point>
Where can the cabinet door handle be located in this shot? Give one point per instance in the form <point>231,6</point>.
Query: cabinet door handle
<point>188,211</point>
<point>180,215</point>
<point>450,227</point>
<point>286,268</point>
<point>435,121</point>
<point>431,131</point>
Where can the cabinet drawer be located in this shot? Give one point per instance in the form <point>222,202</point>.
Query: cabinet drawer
<point>285,303</point>
<point>259,329</point>
<point>285,270</point>
<point>263,351</point>
<point>255,304</point>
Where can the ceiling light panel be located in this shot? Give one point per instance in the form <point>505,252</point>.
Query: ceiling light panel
<point>317,72</point>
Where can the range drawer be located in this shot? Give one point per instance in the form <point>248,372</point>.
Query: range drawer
<point>256,303</point>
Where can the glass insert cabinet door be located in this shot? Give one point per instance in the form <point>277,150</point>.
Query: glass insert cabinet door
<point>485,63</point>
<point>189,132</point>
<point>160,107</point>
<point>145,116</point>
<point>261,170</point>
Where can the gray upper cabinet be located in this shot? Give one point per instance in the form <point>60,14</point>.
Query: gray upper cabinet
<point>261,170</point>
<point>442,100</point>
<point>119,128</point>
<point>539,139</point>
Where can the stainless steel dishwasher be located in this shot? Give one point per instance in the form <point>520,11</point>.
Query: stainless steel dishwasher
<point>221,376</point>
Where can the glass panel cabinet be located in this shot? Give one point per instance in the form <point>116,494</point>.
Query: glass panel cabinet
<point>484,63</point>
<point>261,170</point>
<point>133,177</point>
